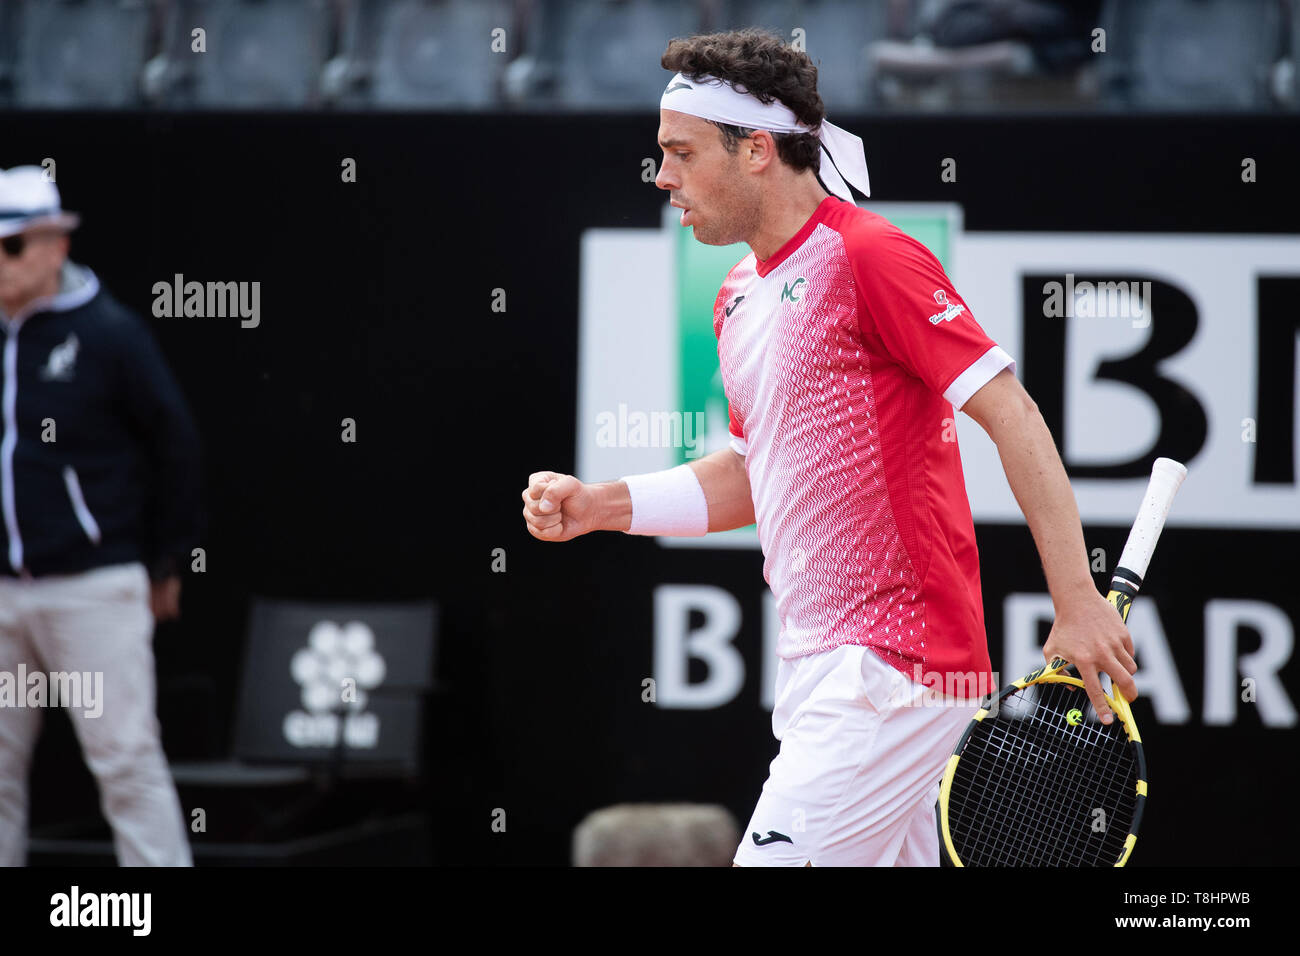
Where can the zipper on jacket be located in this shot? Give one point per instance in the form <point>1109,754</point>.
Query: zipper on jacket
<point>8,403</point>
<point>84,517</point>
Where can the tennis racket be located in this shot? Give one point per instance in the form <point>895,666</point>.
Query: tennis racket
<point>1037,779</point>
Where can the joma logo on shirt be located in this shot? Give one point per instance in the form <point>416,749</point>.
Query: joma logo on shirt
<point>792,290</point>
<point>951,309</point>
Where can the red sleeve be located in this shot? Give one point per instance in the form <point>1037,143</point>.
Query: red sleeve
<point>908,303</point>
<point>736,430</point>
<point>719,313</point>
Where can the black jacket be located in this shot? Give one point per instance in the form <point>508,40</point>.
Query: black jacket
<point>99,455</point>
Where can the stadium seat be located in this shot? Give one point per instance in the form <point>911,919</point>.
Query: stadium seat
<point>1192,54</point>
<point>8,52</point>
<point>593,54</point>
<point>76,53</point>
<point>405,54</point>
<point>291,717</point>
<point>259,53</point>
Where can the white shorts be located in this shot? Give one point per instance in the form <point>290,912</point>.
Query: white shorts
<point>862,751</point>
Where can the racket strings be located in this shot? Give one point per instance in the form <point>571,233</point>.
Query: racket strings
<point>1036,804</point>
<point>1008,842</point>
<point>1029,784</point>
<point>1027,801</point>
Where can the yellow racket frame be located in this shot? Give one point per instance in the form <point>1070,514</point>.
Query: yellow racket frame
<point>1053,673</point>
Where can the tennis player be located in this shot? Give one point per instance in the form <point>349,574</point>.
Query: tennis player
<point>844,350</point>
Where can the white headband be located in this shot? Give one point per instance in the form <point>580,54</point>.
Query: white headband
<point>714,99</point>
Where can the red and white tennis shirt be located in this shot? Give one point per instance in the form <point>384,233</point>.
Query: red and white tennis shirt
<point>842,357</point>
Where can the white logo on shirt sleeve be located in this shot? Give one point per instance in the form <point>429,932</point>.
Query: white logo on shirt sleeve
<point>951,309</point>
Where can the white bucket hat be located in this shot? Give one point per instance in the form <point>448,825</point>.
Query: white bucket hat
<point>28,199</point>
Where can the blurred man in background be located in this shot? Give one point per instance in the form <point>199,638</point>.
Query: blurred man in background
<point>99,489</point>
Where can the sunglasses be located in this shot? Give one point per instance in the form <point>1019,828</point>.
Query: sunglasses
<point>14,245</point>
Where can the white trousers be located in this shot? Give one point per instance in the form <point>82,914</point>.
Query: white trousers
<point>863,749</point>
<point>94,623</point>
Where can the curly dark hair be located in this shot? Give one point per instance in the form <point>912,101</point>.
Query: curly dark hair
<point>767,67</point>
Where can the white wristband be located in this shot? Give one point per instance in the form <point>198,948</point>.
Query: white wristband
<point>669,502</point>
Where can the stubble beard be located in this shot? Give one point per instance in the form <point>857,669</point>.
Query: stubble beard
<point>739,217</point>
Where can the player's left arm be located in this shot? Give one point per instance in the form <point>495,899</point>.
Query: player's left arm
<point>1087,631</point>
<point>909,306</point>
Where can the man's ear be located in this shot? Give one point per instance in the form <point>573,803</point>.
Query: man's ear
<point>763,140</point>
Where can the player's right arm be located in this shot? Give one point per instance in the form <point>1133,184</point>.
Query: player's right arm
<point>726,488</point>
<point>559,507</point>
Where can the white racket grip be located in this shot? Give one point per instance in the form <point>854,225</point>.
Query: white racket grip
<point>1166,477</point>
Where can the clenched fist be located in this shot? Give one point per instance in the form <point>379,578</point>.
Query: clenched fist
<point>560,507</point>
